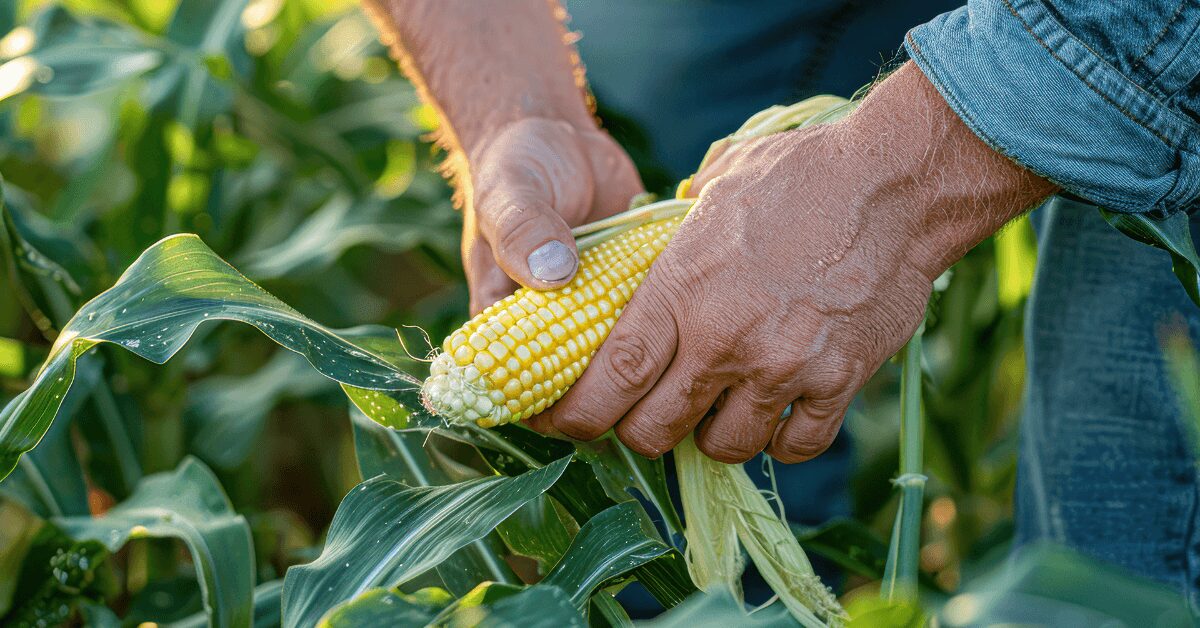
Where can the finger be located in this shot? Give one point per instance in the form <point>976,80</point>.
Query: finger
<point>617,180</point>
<point>742,426</point>
<point>519,206</point>
<point>809,430</point>
<point>716,163</point>
<point>486,281</point>
<point>542,424</point>
<point>626,366</point>
<point>671,410</point>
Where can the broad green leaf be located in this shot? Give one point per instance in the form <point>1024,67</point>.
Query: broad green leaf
<point>536,531</point>
<point>31,268</point>
<point>50,481</point>
<point>385,533</point>
<point>1172,234</point>
<point>206,37</point>
<point>385,607</point>
<point>190,505</point>
<point>583,497</point>
<point>228,412</point>
<point>154,308</point>
<point>611,544</point>
<point>113,463</point>
<point>1048,581</point>
<point>401,456</point>
<point>493,605</point>
<point>719,610</point>
<point>605,610</point>
<point>620,471</point>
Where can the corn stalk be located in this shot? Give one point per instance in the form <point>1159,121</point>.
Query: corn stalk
<point>900,573</point>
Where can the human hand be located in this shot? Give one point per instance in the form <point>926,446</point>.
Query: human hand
<point>530,183</point>
<point>803,267</point>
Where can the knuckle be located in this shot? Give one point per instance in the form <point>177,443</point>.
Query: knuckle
<point>578,427</point>
<point>514,223</point>
<point>833,376</point>
<point>628,361</point>
<point>723,448</point>
<point>642,439</point>
<point>769,389</point>
<point>790,448</point>
<point>825,408</point>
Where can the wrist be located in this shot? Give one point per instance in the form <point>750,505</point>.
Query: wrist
<point>916,160</point>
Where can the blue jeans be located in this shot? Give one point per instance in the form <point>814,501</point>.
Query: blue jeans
<point>1106,465</point>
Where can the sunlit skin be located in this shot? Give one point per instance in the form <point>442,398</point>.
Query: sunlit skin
<point>805,264</point>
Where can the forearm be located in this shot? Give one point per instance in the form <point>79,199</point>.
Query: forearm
<point>483,65</point>
<point>913,156</point>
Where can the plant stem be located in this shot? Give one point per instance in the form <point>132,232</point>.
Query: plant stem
<point>900,574</point>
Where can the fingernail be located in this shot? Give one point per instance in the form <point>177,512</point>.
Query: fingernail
<point>552,261</point>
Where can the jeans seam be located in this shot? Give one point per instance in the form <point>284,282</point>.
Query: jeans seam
<point>1071,67</point>
<point>1158,38</point>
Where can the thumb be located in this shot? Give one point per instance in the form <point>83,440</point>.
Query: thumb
<point>531,241</point>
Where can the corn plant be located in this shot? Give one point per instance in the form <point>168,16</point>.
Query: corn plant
<point>179,443</point>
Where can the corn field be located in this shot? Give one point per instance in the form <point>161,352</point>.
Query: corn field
<point>228,259</point>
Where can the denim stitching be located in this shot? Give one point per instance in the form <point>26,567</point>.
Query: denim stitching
<point>1158,38</point>
<point>1073,70</point>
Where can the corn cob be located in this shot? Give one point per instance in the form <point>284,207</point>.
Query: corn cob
<point>521,354</point>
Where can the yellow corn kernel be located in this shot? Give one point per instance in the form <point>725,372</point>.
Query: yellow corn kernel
<point>518,356</point>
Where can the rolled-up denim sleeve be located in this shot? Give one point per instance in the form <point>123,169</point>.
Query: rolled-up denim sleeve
<point>1102,97</point>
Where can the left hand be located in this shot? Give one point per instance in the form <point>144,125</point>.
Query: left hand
<point>800,270</point>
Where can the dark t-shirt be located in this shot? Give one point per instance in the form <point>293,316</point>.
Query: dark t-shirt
<point>691,71</point>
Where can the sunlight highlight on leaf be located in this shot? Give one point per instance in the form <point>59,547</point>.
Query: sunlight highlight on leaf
<point>385,533</point>
<point>155,307</point>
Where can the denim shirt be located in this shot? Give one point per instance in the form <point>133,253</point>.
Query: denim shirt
<point>1100,96</point>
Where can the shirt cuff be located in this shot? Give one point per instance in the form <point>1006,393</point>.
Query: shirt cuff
<point>1032,91</point>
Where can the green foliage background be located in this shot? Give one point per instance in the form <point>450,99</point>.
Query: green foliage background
<point>281,134</point>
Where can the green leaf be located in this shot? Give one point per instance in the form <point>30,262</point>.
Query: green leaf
<point>402,457</point>
<point>621,470</point>
<point>535,530</point>
<point>583,497</point>
<point>201,31</point>
<point>493,605</point>
<point>190,505</point>
<point>153,310</point>
<point>343,223</point>
<point>399,455</point>
<point>380,607</point>
<point>1172,234</point>
<point>385,533</point>
<point>611,544</point>
<point>719,610</point>
<point>50,481</point>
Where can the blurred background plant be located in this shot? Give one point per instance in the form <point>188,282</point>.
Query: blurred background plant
<point>280,133</point>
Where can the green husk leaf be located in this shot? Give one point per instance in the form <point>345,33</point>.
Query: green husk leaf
<point>722,507</point>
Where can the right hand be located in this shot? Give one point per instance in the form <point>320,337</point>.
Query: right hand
<point>530,183</point>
